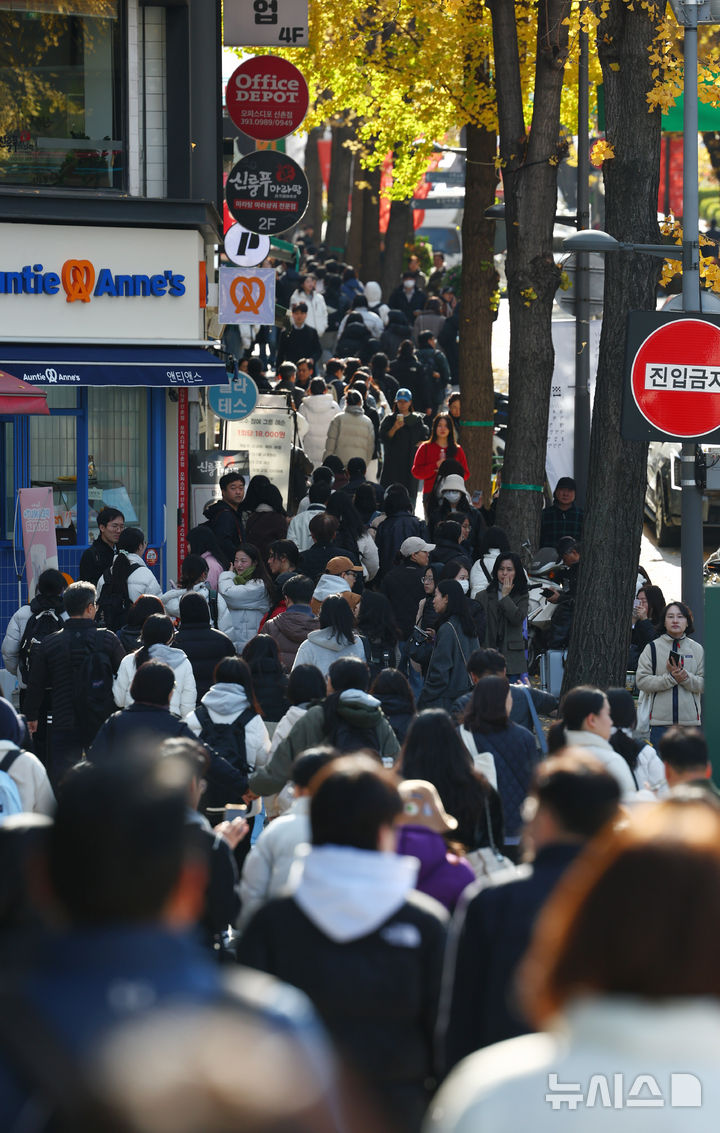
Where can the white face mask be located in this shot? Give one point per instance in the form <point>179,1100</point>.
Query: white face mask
<point>465,584</point>
<point>409,285</point>
<point>452,497</point>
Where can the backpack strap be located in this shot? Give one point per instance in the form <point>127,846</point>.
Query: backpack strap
<point>203,716</point>
<point>535,719</point>
<point>10,758</point>
<point>653,654</point>
<point>245,718</point>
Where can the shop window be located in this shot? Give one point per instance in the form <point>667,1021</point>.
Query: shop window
<point>118,453</point>
<point>53,459</point>
<point>60,94</point>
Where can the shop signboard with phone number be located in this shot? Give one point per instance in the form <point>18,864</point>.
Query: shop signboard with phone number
<point>267,192</point>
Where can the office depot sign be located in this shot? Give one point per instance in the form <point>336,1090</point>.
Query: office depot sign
<point>266,98</point>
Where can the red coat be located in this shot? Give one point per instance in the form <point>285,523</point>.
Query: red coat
<point>426,461</point>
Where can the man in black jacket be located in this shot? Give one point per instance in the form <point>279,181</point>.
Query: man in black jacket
<point>57,666</point>
<point>400,434</point>
<point>366,948</point>
<point>403,585</point>
<point>224,515</point>
<point>101,552</point>
<point>572,799</point>
<point>300,341</point>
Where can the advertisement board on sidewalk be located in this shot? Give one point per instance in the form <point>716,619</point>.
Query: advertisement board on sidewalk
<point>267,436</point>
<point>37,518</point>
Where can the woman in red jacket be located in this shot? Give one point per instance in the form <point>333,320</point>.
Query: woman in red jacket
<point>431,454</point>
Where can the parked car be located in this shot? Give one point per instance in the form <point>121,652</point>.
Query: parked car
<point>662,490</point>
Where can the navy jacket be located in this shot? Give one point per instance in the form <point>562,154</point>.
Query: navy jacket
<point>489,935</point>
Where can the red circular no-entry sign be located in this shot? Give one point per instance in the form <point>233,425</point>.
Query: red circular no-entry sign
<point>266,97</point>
<point>675,378</point>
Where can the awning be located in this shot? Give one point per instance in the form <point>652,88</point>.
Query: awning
<point>68,365</point>
<point>19,397</point>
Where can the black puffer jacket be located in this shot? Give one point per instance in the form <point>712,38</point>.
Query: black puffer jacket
<point>403,586</point>
<point>54,664</point>
<point>227,526</point>
<point>204,647</point>
<point>392,533</point>
<point>269,683</point>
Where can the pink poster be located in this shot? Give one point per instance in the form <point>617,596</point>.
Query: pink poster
<point>37,515</point>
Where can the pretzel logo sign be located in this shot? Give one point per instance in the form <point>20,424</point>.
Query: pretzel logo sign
<point>78,279</point>
<point>247,302</point>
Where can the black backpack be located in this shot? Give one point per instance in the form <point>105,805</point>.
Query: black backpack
<point>38,627</point>
<point>114,601</point>
<point>377,655</point>
<point>93,677</point>
<point>227,740</point>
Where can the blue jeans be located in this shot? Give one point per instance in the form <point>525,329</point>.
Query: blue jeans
<point>415,678</point>
<point>657,731</point>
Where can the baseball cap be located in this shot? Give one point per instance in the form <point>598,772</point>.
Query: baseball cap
<point>414,544</point>
<point>422,806</point>
<point>340,564</point>
<point>403,395</point>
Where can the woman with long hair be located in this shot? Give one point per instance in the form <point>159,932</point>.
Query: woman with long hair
<point>353,535</point>
<point>644,762</point>
<point>202,540</point>
<point>400,523</point>
<point>378,632</point>
<point>505,602</point>
<point>586,722</point>
<point>487,721</point>
<point>268,519</point>
<point>672,671</point>
<point>336,637</point>
<point>393,691</point>
<point>130,635</point>
<point>306,686</point>
<point>455,639</point>
<point>269,680</point>
<point>245,594</point>
<point>433,751</point>
<point>646,621</point>
<point>431,454</point>
<point>426,616</point>
<point>193,579</point>
<point>157,637</point>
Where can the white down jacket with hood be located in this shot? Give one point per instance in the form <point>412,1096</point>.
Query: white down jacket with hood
<point>171,598</point>
<point>321,648</point>
<point>184,697</point>
<point>225,702</point>
<point>318,410</point>
<point>241,608</point>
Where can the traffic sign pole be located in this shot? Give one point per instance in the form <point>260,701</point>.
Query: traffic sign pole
<point>691,530</point>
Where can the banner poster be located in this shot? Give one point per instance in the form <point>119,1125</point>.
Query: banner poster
<point>561,422</point>
<point>267,437</point>
<point>37,518</point>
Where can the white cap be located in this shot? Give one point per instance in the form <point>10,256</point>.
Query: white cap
<point>414,544</point>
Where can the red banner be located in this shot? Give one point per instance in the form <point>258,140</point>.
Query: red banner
<point>183,463</point>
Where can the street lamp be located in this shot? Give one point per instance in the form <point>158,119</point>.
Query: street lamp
<point>689,13</point>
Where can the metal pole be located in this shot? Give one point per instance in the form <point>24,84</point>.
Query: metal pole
<point>691,546</point>
<point>581,454</point>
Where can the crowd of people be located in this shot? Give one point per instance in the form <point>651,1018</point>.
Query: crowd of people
<point>306,804</point>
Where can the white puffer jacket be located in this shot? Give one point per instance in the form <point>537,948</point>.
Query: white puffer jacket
<point>241,608</point>
<point>351,434</point>
<point>267,868</point>
<point>13,638</point>
<point>171,598</point>
<point>184,696</point>
<point>141,581</point>
<point>318,410</point>
<point>31,780</point>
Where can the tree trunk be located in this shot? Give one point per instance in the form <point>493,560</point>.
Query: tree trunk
<point>530,182</point>
<point>616,487</point>
<point>479,282</point>
<point>399,232</point>
<point>341,162</point>
<point>370,257</point>
<point>314,215</point>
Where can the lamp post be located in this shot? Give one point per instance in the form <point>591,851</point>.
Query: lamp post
<point>688,13</point>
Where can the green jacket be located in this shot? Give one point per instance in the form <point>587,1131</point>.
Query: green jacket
<point>310,731</point>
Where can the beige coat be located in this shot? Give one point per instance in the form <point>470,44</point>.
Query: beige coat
<point>351,434</point>
<point>665,709</point>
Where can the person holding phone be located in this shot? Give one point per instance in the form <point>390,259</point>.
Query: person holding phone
<point>672,671</point>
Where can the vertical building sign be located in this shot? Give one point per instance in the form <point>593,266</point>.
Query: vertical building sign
<point>183,459</point>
